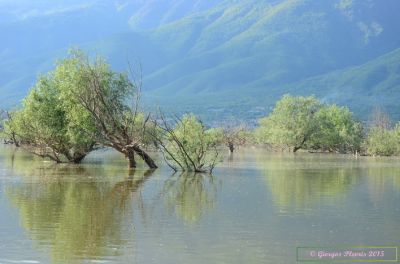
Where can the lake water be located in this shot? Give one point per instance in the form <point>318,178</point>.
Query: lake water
<point>256,208</point>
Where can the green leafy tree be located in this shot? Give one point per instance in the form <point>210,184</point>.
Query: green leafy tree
<point>78,105</point>
<point>337,130</point>
<point>291,123</point>
<point>9,128</point>
<point>110,100</point>
<point>189,145</point>
<point>382,142</point>
<point>44,124</point>
<point>382,139</point>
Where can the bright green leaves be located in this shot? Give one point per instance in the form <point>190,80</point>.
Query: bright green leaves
<point>305,123</point>
<point>337,130</point>
<point>291,124</point>
<point>189,145</point>
<point>50,123</point>
<point>383,142</point>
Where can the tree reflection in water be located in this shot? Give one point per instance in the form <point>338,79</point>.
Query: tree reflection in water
<point>382,179</point>
<point>298,185</point>
<point>79,213</point>
<point>190,196</point>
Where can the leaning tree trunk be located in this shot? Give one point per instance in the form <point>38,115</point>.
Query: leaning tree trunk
<point>75,157</point>
<point>130,154</point>
<point>78,158</point>
<point>295,149</point>
<point>149,161</point>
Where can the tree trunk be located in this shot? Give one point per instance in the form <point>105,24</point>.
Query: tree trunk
<point>130,154</point>
<point>231,147</point>
<point>149,161</point>
<point>296,148</point>
<point>16,143</point>
<point>78,159</point>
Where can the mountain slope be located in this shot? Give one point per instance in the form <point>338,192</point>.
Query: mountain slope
<point>285,42</point>
<point>233,56</point>
<point>363,87</point>
<point>375,83</point>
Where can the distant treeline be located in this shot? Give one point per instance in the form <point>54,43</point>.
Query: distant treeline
<point>83,105</point>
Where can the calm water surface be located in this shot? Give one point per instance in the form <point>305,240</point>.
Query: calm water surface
<point>256,208</point>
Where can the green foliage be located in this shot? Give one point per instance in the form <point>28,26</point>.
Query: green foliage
<point>304,122</point>
<point>337,130</point>
<point>11,124</point>
<point>190,146</point>
<point>79,104</point>
<point>216,135</point>
<point>82,78</point>
<point>111,101</point>
<point>383,142</point>
<point>48,124</point>
<point>69,79</point>
<point>382,139</point>
<point>291,124</point>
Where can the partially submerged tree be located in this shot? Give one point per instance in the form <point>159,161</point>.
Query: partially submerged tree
<point>43,126</point>
<point>111,101</point>
<point>8,129</point>
<point>382,139</point>
<point>305,123</point>
<point>81,104</point>
<point>234,136</point>
<point>337,130</point>
<point>187,144</point>
<point>291,124</point>
<point>382,142</point>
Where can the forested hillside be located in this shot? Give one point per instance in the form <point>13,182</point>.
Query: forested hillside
<point>233,58</point>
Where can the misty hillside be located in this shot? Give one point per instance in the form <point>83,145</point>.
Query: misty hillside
<point>227,57</point>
